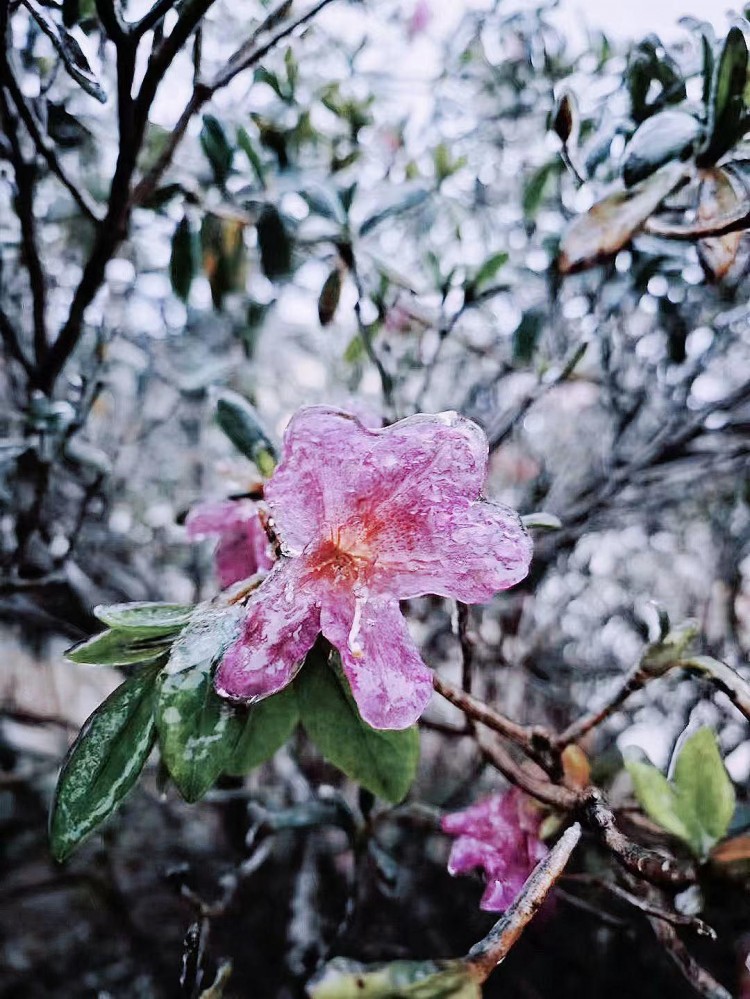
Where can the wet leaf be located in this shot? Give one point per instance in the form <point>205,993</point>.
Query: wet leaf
<point>717,197</point>
<point>666,136</point>
<point>248,148</point>
<point>330,294</point>
<point>183,260</point>
<point>265,728</point>
<point>274,242</point>
<point>239,421</point>
<point>146,618</point>
<point>118,648</point>
<point>611,223</point>
<point>727,103</point>
<point>198,730</point>
<point>217,148</point>
<point>104,762</point>
<point>382,761</point>
<point>342,979</point>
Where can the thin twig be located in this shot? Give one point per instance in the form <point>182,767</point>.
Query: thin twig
<point>702,982</point>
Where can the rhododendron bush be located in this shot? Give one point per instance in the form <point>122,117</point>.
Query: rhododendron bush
<point>374,508</point>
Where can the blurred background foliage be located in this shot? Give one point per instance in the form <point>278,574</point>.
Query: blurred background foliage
<point>380,212</point>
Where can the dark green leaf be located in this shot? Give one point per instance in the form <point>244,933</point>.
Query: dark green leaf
<point>198,730</point>
<point>118,648</point>
<point>343,979</point>
<point>384,762</point>
<point>535,187</point>
<point>266,728</point>
<point>217,148</point>
<point>666,136</point>
<point>104,762</point>
<point>727,104</point>
<point>146,618</point>
<point>611,223</point>
<point>75,62</point>
<point>325,203</point>
<point>565,121</point>
<point>330,293</point>
<point>403,204</point>
<point>526,336</point>
<point>701,778</point>
<point>489,269</point>
<point>246,145</point>
<point>183,260</point>
<point>239,421</point>
<point>275,245</point>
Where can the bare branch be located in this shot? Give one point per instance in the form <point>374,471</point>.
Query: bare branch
<point>702,982</point>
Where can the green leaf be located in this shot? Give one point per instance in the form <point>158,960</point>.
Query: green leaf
<point>727,105</point>
<point>275,245</point>
<point>217,148</point>
<point>541,521</point>
<point>526,335</point>
<point>661,802</point>
<point>666,136</point>
<point>266,728</point>
<point>118,648</point>
<point>342,979</point>
<point>324,202</point>
<point>246,145</point>
<point>535,187</point>
<point>330,293</point>
<point>413,199</point>
<point>382,761</point>
<point>147,618</point>
<point>239,421</point>
<point>489,269</point>
<point>198,730</point>
<point>611,223</point>
<point>104,762</point>
<point>702,780</point>
<point>183,259</point>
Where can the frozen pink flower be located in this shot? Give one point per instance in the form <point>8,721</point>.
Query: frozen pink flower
<point>501,835</point>
<point>367,518</point>
<point>420,18</point>
<point>243,547</point>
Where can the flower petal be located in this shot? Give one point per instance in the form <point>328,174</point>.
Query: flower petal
<point>280,628</point>
<point>469,552</point>
<point>388,679</point>
<point>500,893</point>
<point>335,473</point>
<point>209,519</point>
<point>242,552</point>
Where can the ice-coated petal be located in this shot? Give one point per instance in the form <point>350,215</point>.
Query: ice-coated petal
<point>214,518</point>
<point>388,679</point>
<point>243,547</point>
<point>242,552</point>
<point>468,552</point>
<point>280,627</point>
<point>499,834</point>
<point>337,476</point>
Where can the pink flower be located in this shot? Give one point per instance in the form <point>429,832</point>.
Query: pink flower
<point>367,518</point>
<point>420,18</point>
<point>501,835</point>
<point>243,547</point>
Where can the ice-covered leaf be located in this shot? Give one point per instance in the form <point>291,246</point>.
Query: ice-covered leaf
<point>240,422</point>
<point>198,730</point>
<point>119,648</point>
<point>75,62</point>
<point>611,223</point>
<point>147,619</point>
<point>265,728</point>
<point>104,762</point>
<point>383,761</point>
<point>665,136</point>
<point>404,203</point>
